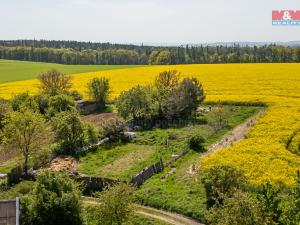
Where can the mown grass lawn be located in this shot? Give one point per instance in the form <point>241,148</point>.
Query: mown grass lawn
<point>11,70</point>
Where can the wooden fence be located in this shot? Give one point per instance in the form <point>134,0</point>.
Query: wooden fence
<point>9,212</point>
<point>92,184</point>
<point>146,173</point>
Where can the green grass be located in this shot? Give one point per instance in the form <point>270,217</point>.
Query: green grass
<point>119,162</point>
<point>18,190</point>
<point>125,160</point>
<point>11,70</point>
<point>182,192</point>
<point>136,219</point>
<point>6,167</point>
<point>143,220</point>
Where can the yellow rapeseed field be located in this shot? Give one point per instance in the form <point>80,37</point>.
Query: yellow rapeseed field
<point>263,154</point>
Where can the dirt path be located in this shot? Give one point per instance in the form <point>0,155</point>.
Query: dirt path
<point>171,218</point>
<point>168,217</point>
<point>238,133</point>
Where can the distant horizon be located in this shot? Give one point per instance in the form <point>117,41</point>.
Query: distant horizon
<point>164,44</point>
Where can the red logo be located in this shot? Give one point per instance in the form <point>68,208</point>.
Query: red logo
<point>286,15</point>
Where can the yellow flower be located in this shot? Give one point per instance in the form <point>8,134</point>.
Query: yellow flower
<point>263,155</point>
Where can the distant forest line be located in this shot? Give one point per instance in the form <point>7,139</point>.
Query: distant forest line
<point>85,53</point>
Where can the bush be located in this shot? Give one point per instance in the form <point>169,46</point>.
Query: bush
<point>15,175</point>
<point>167,80</point>
<point>113,128</point>
<point>137,104</point>
<point>218,117</point>
<point>54,200</point>
<point>41,158</point>
<point>196,143</point>
<point>291,205</point>
<point>5,108</point>
<point>183,100</point>
<point>24,101</point>
<point>240,208</point>
<point>43,102</point>
<point>60,103</point>
<point>93,133</point>
<point>69,131</point>
<point>221,182</point>
<point>116,205</point>
<point>75,95</point>
<point>18,190</point>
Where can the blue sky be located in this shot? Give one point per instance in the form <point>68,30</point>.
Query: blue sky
<point>147,21</point>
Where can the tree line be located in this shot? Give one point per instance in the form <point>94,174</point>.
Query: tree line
<point>71,52</point>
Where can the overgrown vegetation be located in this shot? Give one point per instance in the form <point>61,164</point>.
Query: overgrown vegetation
<point>231,200</point>
<point>169,99</point>
<point>115,205</point>
<point>178,188</point>
<point>54,199</point>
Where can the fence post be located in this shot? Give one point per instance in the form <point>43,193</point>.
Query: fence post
<point>17,210</point>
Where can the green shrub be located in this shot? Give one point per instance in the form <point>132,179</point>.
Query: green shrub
<point>69,131</point>
<point>137,104</point>
<point>240,208</point>
<point>196,143</point>
<point>116,205</point>
<point>113,128</point>
<point>75,95</point>
<point>42,101</point>
<point>53,200</point>
<point>183,100</point>
<point>60,103</point>
<point>221,182</point>
<point>23,101</point>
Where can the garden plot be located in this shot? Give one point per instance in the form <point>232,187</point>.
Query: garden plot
<point>123,161</point>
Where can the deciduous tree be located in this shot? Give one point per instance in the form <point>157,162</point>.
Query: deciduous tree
<point>137,104</point>
<point>54,82</point>
<point>116,205</point>
<point>27,132</point>
<point>99,90</point>
<point>69,130</point>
